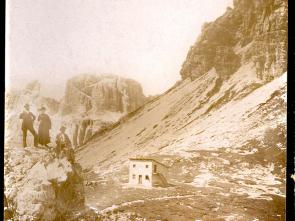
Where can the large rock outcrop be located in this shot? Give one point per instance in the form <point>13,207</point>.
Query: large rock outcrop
<point>41,187</point>
<point>95,94</point>
<point>253,31</point>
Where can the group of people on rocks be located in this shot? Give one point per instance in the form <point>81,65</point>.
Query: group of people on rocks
<point>63,143</point>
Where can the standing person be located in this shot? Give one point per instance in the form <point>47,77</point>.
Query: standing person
<point>89,131</point>
<point>27,125</point>
<point>82,132</point>
<point>44,127</point>
<point>75,134</point>
<point>63,145</point>
<point>87,124</point>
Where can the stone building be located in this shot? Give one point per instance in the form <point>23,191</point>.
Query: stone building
<point>147,172</point>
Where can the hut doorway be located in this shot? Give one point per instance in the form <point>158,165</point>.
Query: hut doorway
<point>140,179</point>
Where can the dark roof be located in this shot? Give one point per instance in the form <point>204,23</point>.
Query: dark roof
<point>147,159</point>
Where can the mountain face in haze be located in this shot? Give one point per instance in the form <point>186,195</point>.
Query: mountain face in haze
<point>96,94</point>
<point>222,129</point>
<point>253,31</point>
<point>106,99</point>
<point>31,94</point>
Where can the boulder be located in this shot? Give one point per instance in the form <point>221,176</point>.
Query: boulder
<point>40,186</point>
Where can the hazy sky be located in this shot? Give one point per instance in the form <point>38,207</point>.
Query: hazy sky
<point>147,40</point>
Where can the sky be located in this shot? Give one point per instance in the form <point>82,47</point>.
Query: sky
<point>146,40</point>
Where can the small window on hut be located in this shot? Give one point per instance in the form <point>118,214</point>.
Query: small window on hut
<point>134,165</point>
<point>146,166</point>
<point>147,177</point>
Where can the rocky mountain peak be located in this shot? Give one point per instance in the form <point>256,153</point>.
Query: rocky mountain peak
<point>253,31</point>
<point>98,93</point>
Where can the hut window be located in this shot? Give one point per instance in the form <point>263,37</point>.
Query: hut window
<point>147,178</point>
<point>133,176</point>
<point>133,165</point>
<point>146,166</point>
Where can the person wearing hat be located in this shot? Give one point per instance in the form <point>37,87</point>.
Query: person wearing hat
<point>27,125</point>
<point>44,127</point>
<point>63,145</point>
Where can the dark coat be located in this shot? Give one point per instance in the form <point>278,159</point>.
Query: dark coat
<point>63,141</point>
<point>28,119</point>
<point>44,127</point>
<point>64,147</point>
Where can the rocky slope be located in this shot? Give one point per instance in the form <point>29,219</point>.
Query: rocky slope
<point>221,129</point>
<point>253,31</point>
<point>200,115</point>
<point>96,94</point>
<point>214,142</point>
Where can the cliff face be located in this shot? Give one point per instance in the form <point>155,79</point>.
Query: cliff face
<point>253,31</point>
<point>96,94</point>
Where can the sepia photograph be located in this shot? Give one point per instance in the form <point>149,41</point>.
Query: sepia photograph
<point>145,110</point>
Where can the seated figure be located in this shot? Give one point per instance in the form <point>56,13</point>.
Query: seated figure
<point>64,146</point>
